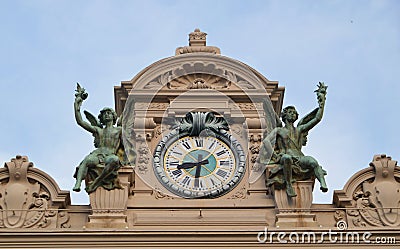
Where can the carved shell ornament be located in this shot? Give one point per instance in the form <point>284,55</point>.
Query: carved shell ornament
<point>198,75</point>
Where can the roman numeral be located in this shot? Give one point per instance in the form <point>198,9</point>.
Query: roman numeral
<point>186,145</point>
<point>198,183</point>
<point>224,163</point>
<point>186,181</point>
<point>222,173</point>
<point>212,144</point>
<point>220,153</point>
<point>174,164</point>
<point>199,142</point>
<point>177,172</point>
<point>212,181</point>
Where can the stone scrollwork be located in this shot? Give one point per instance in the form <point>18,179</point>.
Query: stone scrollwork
<point>374,193</point>
<point>160,195</point>
<point>26,203</point>
<point>63,220</point>
<point>340,215</point>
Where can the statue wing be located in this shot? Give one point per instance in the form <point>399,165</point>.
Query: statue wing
<point>267,144</point>
<point>92,119</point>
<point>308,117</point>
<point>272,119</point>
<point>119,120</point>
<point>128,147</point>
<point>94,122</point>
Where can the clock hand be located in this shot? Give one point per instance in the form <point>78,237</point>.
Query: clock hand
<point>198,170</point>
<point>188,165</point>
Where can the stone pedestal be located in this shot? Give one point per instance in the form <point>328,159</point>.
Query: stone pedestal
<point>109,206</point>
<point>295,211</point>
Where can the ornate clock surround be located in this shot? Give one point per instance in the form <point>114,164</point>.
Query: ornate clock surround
<point>192,82</point>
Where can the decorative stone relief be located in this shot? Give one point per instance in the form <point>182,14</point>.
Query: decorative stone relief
<point>375,198</point>
<point>63,220</point>
<point>158,106</point>
<point>198,75</point>
<point>240,194</point>
<point>255,143</point>
<point>160,195</point>
<point>339,216</point>
<point>27,203</point>
<point>247,106</point>
<point>143,160</point>
<point>199,81</point>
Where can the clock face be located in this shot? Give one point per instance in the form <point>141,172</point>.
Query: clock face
<point>195,167</point>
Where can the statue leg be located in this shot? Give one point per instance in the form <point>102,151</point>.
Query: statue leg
<point>310,163</point>
<point>82,170</point>
<point>111,165</point>
<point>286,162</point>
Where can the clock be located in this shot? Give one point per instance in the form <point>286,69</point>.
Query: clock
<point>203,166</point>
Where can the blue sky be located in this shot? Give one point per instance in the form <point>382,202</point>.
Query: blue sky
<point>47,46</point>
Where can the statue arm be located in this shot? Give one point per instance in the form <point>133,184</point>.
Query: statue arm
<point>78,116</point>
<point>313,118</point>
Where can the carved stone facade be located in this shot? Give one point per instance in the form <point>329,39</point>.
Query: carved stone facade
<point>35,213</point>
<point>29,198</point>
<point>372,196</point>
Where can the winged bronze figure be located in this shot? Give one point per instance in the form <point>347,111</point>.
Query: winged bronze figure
<point>282,148</point>
<point>100,167</point>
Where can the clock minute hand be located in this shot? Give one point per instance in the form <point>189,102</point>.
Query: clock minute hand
<point>188,165</point>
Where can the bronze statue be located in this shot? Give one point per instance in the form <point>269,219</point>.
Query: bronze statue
<point>282,146</point>
<point>100,167</point>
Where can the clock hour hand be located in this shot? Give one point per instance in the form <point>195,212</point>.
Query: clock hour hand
<point>188,165</point>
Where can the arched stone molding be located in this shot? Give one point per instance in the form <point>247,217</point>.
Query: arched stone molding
<point>204,63</point>
<point>159,74</point>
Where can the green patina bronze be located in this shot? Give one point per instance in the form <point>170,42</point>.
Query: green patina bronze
<point>282,147</point>
<point>100,167</point>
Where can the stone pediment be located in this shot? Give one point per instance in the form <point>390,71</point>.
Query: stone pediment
<point>198,67</point>
<point>199,71</point>
<point>214,67</point>
<point>201,75</point>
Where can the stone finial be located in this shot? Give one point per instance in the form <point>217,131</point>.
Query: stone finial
<point>197,38</point>
<point>197,43</point>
